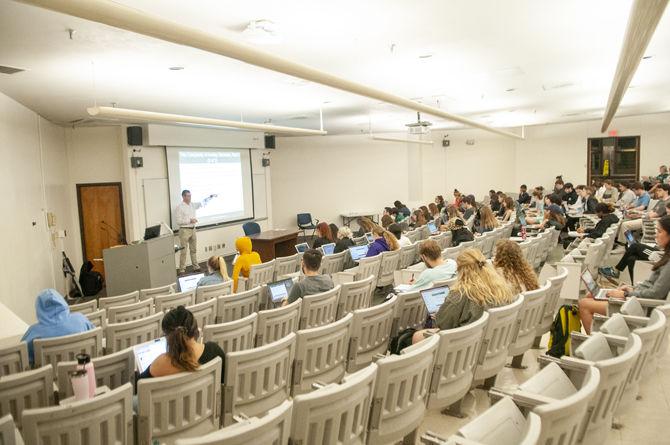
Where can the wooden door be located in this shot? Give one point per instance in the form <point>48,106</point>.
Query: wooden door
<point>101,220</point>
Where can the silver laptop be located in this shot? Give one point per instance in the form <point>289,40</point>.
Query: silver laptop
<point>434,297</point>
<point>592,286</point>
<point>328,249</point>
<point>432,228</point>
<point>279,289</point>
<point>146,353</point>
<point>358,252</point>
<point>189,282</point>
<point>302,247</point>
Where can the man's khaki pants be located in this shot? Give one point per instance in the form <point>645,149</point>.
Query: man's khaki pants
<point>187,239</point>
<point>632,225</point>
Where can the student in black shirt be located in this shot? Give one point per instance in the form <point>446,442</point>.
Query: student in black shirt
<point>524,197</point>
<point>344,239</point>
<point>570,196</point>
<point>323,235</point>
<point>184,353</point>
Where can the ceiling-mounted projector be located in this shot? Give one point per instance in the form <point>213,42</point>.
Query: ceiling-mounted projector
<point>418,127</point>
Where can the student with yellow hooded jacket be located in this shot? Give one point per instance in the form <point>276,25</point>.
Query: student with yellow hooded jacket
<point>245,260</point>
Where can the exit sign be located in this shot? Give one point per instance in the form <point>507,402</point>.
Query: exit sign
<point>613,132</point>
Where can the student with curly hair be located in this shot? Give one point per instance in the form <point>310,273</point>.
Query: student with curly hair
<point>510,263</point>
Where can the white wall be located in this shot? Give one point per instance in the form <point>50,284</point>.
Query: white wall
<point>32,175</point>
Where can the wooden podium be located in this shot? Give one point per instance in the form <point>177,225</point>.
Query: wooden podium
<point>143,265</point>
<point>274,243</point>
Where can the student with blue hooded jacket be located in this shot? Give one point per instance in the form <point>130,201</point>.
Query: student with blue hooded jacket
<point>54,319</point>
<point>383,242</point>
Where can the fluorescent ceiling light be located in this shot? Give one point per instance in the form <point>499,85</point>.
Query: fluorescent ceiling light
<point>409,141</point>
<point>150,116</point>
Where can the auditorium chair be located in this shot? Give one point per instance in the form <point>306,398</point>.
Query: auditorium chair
<point>232,336</point>
<point>204,313</point>
<point>119,300</point>
<point>286,265</point>
<point>355,295</point>
<point>275,324</point>
<point>25,390</point>
<point>235,306</point>
<point>371,332</point>
<point>119,336</point>
<point>165,303</point>
<point>85,308</point>
<point>50,351</point>
<point>160,290</point>
<point>319,309</point>
<point>112,371</point>
<point>130,312</point>
<point>212,291</point>
<point>14,358</point>
<point>529,318</point>
<point>98,318</point>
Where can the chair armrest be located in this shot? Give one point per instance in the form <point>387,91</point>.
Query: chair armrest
<point>544,360</point>
<point>576,339</point>
<point>650,302</point>
<point>529,400</point>
<point>636,321</point>
<point>614,305</point>
<point>572,364</point>
<point>241,284</point>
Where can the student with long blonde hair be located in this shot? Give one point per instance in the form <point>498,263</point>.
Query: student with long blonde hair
<point>487,220</point>
<point>510,263</point>
<point>383,242</point>
<point>218,271</point>
<point>477,288</point>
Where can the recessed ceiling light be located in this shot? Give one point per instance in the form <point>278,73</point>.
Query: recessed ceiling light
<point>176,68</point>
<point>509,90</point>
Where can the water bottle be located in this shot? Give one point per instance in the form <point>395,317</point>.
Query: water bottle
<point>79,381</point>
<point>84,363</point>
<point>523,232</point>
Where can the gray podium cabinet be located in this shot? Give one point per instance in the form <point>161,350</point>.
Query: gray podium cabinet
<point>140,266</point>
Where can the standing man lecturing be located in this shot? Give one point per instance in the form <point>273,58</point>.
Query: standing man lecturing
<point>185,216</point>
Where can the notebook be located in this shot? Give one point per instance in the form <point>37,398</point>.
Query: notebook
<point>279,289</point>
<point>189,282</point>
<point>146,353</point>
<point>434,297</point>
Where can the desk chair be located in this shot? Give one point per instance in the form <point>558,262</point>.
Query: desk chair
<point>251,228</point>
<point>305,223</point>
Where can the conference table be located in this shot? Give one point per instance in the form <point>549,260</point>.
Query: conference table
<point>348,217</point>
<point>274,243</point>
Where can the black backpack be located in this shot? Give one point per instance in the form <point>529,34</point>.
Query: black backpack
<point>91,282</point>
<point>566,321</point>
<point>461,235</point>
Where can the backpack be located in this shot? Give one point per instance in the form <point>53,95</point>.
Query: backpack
<point>566,321</point>
<point>401,341</point>
<point>90,281</point>
<point>461,235</point>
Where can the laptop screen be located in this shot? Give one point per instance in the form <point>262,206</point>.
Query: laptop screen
<point>358,252</point>
<point>328,249</point>
<point>279,289</point>
<point>369,237</point>
<point>302,247</point>
<point>433,298</point>
<point>189,282</point>
<point>629,237</point>
<point>590,283</point>
<point>146,353</point>
<point>432,227</point>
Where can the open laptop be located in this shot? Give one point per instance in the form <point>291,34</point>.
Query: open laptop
<point>432,228</point>
<point>434,297</point>
<point>630,239</point>
<point>152,232</point>
<point>279,289</point>
<point>328,249</point>
<point>189,282</point>
<point>302,247</point>
<point>146,353</point>
<point>358,252</point>
<point>592,286</point>
<point>369,237</point>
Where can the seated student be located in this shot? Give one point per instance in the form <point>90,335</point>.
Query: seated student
<point>450,215</point>
<point>437,268</point>
<point>611,194</point>
<point>634,252</point>
<point>642,198</point>
<point>607,218</point>
<point>651,181</point>
<point>656,287</point>
<point>384,241</point>
<point>589,200</point>
<point>54,319</point>
<point>434,211</point>
<point>313,282</point>
<point>184,352</point>
<point>387,220</point>
<point>487,220</point>
<point>570,196</point>
<point>574,204</point>
<point>508,208</point>
<point>218,273</point>
<point>426,213</point>
<point>469,209</point>
<point>460,233</point>
<point>457,198</point>
<point>344,240</point>
<point>402,208</point>
<point>333,231</point>
<point>559,189</point>
<point>635,219</point>
<point>553,217</point>
<point>511,264</point>
<point>494,202</point>
<point>626,196</point>
<point>477,288</point>
<point>365,225</point>
<point>537,202</point>
<point>417,219</point>
<point>396,230</point>
<point>439,201</point>
<point>246,258</point>
<point>524,197</point>
<point>323,235</point>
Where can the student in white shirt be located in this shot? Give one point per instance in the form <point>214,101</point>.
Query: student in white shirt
<point>626,196</point>
<point>185,216</point>
<point>437,268</point>
<point>396,230</point>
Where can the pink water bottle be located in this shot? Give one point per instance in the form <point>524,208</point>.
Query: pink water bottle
<point>79,381</point>
<point>84,362</point>
<point>523,233</point>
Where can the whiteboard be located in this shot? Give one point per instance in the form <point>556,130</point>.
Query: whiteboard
<point>156,201</point>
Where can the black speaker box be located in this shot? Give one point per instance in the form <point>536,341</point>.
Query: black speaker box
<point>134,135</point>
<point>269,141</point>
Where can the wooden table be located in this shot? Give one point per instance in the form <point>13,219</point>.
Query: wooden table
<point>274,243</point>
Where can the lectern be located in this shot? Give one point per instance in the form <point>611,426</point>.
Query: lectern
<point>142,265</point>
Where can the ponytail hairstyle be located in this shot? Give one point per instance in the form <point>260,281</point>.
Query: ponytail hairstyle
<point>664,225</point>
<point>218,264</point>
<point>179,326</point>
<point>390,238</point>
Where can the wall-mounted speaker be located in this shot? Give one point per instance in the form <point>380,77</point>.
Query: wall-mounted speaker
<point>134,135</point>
<point>269,141</point>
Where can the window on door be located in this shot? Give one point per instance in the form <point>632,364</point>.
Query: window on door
<point>616,158</point>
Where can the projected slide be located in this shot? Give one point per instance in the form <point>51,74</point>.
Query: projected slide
<point>205,172</point>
